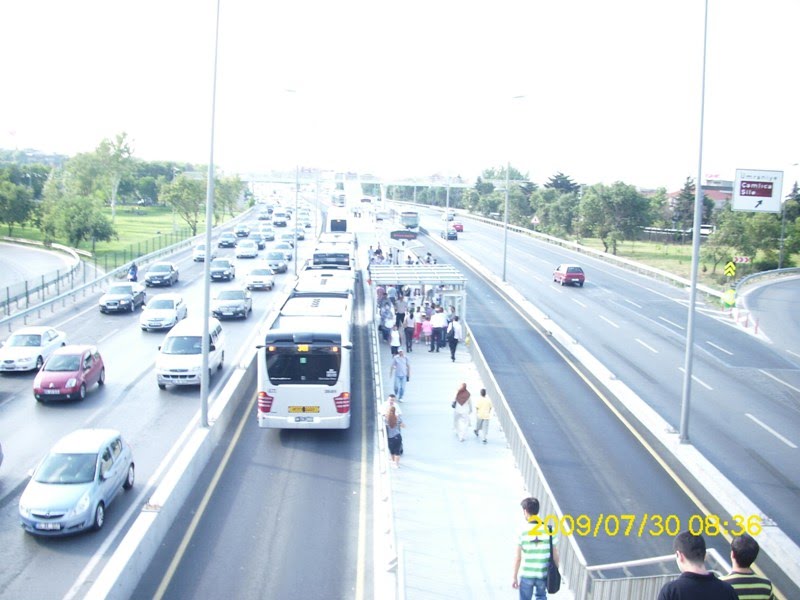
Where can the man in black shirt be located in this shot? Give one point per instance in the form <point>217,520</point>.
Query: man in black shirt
<point>695,581</point>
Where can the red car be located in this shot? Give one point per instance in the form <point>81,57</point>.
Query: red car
<point>458,226</point>
<point>68,373</point>
<point>569,274</point>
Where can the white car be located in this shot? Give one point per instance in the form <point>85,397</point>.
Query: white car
<point>260,278</point>
<point>247,249</point>
<point>163,312</point>
<point>199,253</point>
<point>29,347</point>
<point>284,247</point>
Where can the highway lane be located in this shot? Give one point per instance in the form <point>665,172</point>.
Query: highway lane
<point>285,518</point>
<point>636,326</point>
<point>151,419</point>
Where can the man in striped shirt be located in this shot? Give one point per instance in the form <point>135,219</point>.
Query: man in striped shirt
<point>744,550</point>
<point>533,554</point>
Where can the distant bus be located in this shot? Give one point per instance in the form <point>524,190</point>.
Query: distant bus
<point>337,220</point>
<point>410,220</point>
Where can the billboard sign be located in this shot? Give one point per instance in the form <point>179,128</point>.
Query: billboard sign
<point>757,191</point>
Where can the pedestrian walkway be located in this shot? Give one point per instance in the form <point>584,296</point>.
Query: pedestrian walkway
<point>456,504</point>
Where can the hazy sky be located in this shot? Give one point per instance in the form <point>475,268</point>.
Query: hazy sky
<point>611,87</point>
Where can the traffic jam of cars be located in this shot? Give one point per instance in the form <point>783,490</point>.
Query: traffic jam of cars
<point>70,489</point>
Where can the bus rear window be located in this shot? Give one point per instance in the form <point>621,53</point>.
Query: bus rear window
<point>317,366</point>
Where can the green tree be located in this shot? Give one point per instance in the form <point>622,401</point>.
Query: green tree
<point>15,203</point>
<point>83,219</point>
<point>115,159</point>
<point>683,207</point>
<point>227,192</point>
<point>613,213</point>
<point>562,183</point>
<point>187,197</point>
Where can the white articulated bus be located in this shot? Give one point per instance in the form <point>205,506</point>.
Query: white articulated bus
<point>304,363</point>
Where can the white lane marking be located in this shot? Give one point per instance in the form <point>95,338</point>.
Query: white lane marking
<point>771,376</point>
<point>579,303</point>
<point>609,321</point>
<point>700,381</point>
<point>793,353</point>
<point>713,345</point>
<point>671,323</point>
<point>632,302</point>
<point>653,350</point>
<point>771,430</point>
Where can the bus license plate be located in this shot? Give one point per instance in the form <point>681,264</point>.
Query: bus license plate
<point>304,409</point>
<point>304,419</point>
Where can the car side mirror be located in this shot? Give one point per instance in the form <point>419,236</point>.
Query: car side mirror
<point>211,347</point>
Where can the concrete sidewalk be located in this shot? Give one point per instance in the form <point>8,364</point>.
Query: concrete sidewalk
<point>456,504</point>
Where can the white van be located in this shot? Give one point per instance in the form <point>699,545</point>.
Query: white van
<point>180,356</point>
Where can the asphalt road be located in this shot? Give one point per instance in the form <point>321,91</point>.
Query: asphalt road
<point>152,420</point>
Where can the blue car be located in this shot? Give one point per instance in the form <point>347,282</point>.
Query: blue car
<point>73,485</point>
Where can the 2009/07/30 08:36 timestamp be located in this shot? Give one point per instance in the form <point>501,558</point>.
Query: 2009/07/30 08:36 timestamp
<point>646,524</point>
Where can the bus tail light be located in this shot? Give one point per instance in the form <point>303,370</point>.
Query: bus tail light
<point>342,403</point>
<point>264,402</point>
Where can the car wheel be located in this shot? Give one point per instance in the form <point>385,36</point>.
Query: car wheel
<point>82,392</point>
<point>133,306</point>
<point>580,284</point>
<point>563,282</point>
<point>39,362</point>
<point>99,517</point>
<point>130,478</point>
<point>102,379</point>
<point>162,386</point>
<point>221,361</point>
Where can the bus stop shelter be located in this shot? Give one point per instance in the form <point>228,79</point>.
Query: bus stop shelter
<point>443,284</point>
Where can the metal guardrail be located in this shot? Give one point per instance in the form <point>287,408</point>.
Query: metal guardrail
<point>101,279</point>
<point>33,291</point>
<point>756,277</point>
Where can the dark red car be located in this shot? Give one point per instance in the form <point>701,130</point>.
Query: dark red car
<point>569,274</point>
<point>458,226</point>
<point>68,373</point>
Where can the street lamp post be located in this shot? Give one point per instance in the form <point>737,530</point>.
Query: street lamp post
<point>505,212</point>
<point>505,224</point>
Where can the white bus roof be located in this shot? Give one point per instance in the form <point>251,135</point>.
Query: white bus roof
<point>316,306</point>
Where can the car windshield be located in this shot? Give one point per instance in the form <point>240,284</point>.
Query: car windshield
<point>275,256</point>
<point>260,272</point>
<point>574,270</point>
<point>201,247</point>
<point>159,268</point>
<point>63,362</point>
<point>67,468</point>
<point>182,344</point>
<point>283,246</point>
<point>221,263</point>
<point>230,295</point>
<point>161,303</point>
<point>25,339</point>
<point>121,289</point>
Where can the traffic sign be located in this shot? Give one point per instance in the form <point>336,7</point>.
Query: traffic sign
<point>535,220</point>
<point>757,191</point>
<point>730,269</point>
<point>741,259</point>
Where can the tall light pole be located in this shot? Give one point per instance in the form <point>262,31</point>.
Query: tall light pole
<point>698,214</point>
<point>783,225</point>
<point>205,345</point>
<point>505,212</point>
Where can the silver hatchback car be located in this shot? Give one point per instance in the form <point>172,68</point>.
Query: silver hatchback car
<point>73,485</point>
